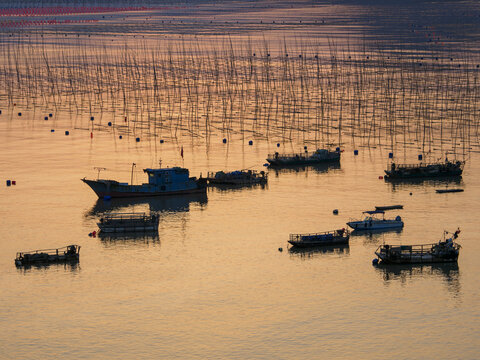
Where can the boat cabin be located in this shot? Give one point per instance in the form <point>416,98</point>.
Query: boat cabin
<point>167,176</point>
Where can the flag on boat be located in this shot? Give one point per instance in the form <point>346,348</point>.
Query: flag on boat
<point>455,235</point>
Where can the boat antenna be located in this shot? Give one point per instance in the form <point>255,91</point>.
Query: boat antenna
<point>99,169</point>
<point>131,181</point>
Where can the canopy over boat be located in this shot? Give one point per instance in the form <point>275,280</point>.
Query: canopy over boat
<point>373,212</point>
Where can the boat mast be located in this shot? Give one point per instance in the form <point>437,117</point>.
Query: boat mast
<point>99,169</point>
<point>131,180</point>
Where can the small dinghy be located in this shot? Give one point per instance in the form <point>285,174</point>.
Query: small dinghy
<point>446,250</point>
<point>128,222</point>
<point>70,253</point>
<point>442,191</point>
<point>334,237</point>
<point>389,207</point>
<point>373,221</point>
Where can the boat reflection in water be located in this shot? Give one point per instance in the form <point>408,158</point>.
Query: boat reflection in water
<point>163,204</point>
<point>312,252</point>
<point>447,272</point>
<point>236,188</point>
<point>73,267</point>
<point>316,168</point>
<point>401,184</point>
<point>375,235</point>
<point>146,238</point>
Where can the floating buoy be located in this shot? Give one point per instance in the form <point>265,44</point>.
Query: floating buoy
<point>411,194</point>
<point>224,141</point>
<point>280,249</point>
<point>19,114</point>
<point>266,164</point>
<point>335,211</point>
<point>125,118</point>
<point>67,132</point>
<point>92,118</point>
<point>137,139</point>
<point>46,117</point>
<point>9,183</point>
<point>161,141</point>
<point>355,152</point>
<point>337,149</point>
<point>278,144</point>
<point>375,261</point>
<point>420,157</point>
<point>120,137</point>
<point>250,142</point>
<point>53,130</point>
<point>380,177</point>
<point>109,123</point>
<point>50,115</point>
<point>91,135</point>
<point>390,155</point>
<point>14,182</point>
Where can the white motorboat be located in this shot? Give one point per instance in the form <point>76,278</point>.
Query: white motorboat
<point>375,220</point>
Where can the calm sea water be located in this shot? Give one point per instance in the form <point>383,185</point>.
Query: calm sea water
<point>214,284</point>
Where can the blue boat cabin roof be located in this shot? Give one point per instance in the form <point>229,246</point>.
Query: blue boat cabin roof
<point>175,169</point>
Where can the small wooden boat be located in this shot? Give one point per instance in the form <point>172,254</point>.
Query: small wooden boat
<point>442,191</point>
<point>333,237</point>
<point>319,156</point>
<point>388,207</point>
<point>239,177</point>
<point>128,222</point>
<point>70,253</point>
<point>373,222</point>
<point>445,250</point>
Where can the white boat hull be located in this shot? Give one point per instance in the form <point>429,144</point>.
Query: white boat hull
<point>375,224</point>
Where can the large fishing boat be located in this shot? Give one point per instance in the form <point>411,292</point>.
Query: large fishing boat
<point>319,156</point>
<point>166,181</point>
<point>446,250</point>
<point>335,237</point>
<point>424,170</point>
<point>375,220</point>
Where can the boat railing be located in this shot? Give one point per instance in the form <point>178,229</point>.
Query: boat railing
<point>60,251</point>
<point>414,249</point>
<point>125,216</point>
<point>307,235</point>
<point>414,166</point>
<point>288,156</point>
